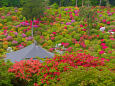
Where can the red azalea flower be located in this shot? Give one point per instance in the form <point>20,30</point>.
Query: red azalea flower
<point>35,84</point>
<point>62,43</point>
<point>97,36</point>
<point>102,40</point>
<point>86,25</point>
<point>108,22</point>
<point>66,44</point>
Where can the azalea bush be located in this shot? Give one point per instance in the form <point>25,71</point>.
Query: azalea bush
<point>87,77</point>
<point>5,77</point>
<point>35,72</point>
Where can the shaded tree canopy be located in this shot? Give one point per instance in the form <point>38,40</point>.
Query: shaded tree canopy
<point>33,9</point>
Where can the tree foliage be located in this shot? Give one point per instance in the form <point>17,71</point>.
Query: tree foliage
<point>33,9</point>
<point>19,3</point>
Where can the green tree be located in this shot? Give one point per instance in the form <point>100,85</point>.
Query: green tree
<point>33,9</point>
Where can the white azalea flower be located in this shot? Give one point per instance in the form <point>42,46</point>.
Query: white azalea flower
<point>102,28</point>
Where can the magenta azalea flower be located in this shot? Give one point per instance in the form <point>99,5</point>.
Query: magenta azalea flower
<point>104,20</point>
<point>54,33</point>
<point>84,29</point>
<point>81,25</point>
<point>102,44</point>
<point>35,26</point>
<point>66,9</point>
<point>109,14</point>
<point>113,30</point>
<point>101,52</point>
<point>76,14</point>
<point>68,23</point>
<point>23,35</point>
<point>62,43</point>
<point>72,21</point>
<point>75,11</point>
<point>100,15</point>
<point>104,47</point>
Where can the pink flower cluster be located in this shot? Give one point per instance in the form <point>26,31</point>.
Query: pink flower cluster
<point>65,44</point>
<point>9,38</point>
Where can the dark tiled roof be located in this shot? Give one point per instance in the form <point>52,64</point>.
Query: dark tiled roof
<point>28,52</point>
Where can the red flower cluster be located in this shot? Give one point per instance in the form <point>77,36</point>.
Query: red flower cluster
<point>51,68</point>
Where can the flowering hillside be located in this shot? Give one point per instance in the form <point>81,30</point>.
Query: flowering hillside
<point>82,41</point>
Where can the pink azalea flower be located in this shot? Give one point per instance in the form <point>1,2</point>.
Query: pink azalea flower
<point>11,31</point>
<point>100,15</point>
<point>65,27</point>
<point>104,47</point>
<point>72,21</point>
<point>103,59</point>
<point>69,49</point>
<point>23,35</point>
<point>14,42</point>
<point>101,52</point>
<point>112,38</point>
<point>66,44</point>
<point>113,30</point>
<point>84,29</point>
<point>81,25</point>
<point>5,31</point>
<point>21,46</point>
<point>104,20</point>
<point>54,33</point>
<point>9,37</point>
<point>52,38</point>
<point>109,14</point>
<point>76,14</point>
<point>35,26</point>
<point>102,44</point>
<point>2,17</point>
<point>68,23</point>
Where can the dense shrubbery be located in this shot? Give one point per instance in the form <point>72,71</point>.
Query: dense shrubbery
<point>5,77</point>
<point>99,76</point>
